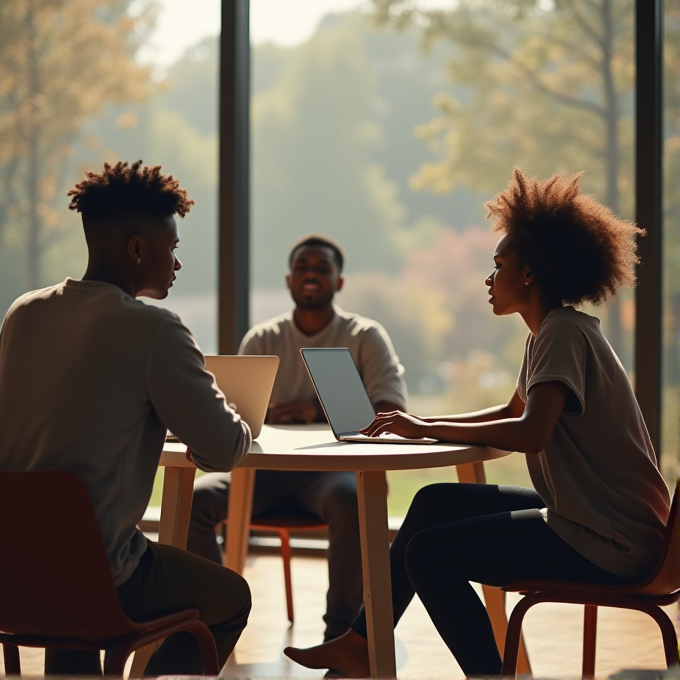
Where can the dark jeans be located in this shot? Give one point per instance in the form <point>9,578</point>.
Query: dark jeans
<point>457,533</point>
<point>167,580</point>
<point>329,496</point>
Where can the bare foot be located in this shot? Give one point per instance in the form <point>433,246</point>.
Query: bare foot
<point>347,654</point>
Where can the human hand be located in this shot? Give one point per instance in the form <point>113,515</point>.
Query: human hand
<point>397,422</point>
<point>293,412</point>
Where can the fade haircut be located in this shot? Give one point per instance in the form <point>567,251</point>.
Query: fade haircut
<point>320,242</point>
<point>576,247</point>
<point>123,189</point>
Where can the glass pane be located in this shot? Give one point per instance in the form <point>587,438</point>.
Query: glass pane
<point>671,247</point>
<point>86,82</point>
<point>388,126</point>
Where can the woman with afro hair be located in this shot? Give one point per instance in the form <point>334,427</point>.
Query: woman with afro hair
<point>599,507</point>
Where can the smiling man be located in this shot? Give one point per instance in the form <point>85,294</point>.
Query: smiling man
<point>91,378</point>
<point>314,278</point>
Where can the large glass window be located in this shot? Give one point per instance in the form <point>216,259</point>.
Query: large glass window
<point>82,83</point>
<point>384,124</point>
<point>670,444</point>
<point>390,124</point>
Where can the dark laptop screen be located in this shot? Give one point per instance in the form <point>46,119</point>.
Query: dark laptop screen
<point>340,389</point>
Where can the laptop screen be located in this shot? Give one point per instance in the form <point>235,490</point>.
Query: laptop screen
<point>246,382</point>
<point>340,389</point>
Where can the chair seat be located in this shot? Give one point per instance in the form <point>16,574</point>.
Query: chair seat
<point>289,523</point>
<point>566,587</point>
<point>69,601</point>
<point>594,595</point>
<point>661,588</point>
<point>145,632</point>
<point>161,625</point>
<point>133,628</point>
<point>60,642</point>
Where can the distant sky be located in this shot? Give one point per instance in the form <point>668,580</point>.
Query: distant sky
<point>182,23</point>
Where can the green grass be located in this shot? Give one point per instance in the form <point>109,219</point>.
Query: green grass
<point>157,493</point>
<point>403,484</point>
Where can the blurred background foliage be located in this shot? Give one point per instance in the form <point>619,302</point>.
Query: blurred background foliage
<point>388,130</point>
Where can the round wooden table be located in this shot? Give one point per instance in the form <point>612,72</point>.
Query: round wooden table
<point>313,447</point>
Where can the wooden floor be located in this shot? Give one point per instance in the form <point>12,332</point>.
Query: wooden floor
<point>626,640</point>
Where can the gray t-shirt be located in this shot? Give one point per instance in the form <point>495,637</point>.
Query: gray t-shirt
<point>597,475</point>
<point>90,379</point>
<point>367,340</point>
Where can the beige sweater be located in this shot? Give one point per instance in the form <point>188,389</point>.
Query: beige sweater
<point>371,347</point>
<point>90,379</point>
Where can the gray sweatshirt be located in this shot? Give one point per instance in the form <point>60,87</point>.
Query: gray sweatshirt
<point>90,379</point>
<point>371,348</point>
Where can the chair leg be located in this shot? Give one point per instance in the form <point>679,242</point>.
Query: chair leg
<point>206,641</point>
<point>115,660</point>
<point>668,634</point>
<point>589,640</point>
<point>10,655</point>
<point>284,535</point>
<point>514,635</point>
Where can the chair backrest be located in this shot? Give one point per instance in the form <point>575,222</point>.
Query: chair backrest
<point>665,578</point>
<point>54,573</point>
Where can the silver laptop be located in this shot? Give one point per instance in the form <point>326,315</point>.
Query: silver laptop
<point>247,383</point>
<point>343,396</point>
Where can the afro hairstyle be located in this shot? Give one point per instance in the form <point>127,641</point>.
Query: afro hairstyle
<point>578,250</point>
<point>123,189</point>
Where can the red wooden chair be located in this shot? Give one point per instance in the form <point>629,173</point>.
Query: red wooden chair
<point>56,589</point>
<point>661,588</point>
<point>283,527</point>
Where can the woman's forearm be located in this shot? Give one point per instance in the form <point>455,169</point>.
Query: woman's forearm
<point>515,427</point>
<point>499,412</point>
<point>510,434</point>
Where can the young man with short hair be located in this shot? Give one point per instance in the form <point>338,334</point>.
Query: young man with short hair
<point>314,278</point>
<point>91,379</point>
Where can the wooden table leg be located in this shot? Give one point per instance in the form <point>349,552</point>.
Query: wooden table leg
<point>178,489</point>
<point>471,473</point>
<point>494,598</point>
<point>240,509</point>
<point>375,560</point>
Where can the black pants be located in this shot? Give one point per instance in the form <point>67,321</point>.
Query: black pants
<point>167,580</point>
<point>457,533</point>
<point>329,496</point>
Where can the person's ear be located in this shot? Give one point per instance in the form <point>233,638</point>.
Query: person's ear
<point>341,283</point>
<point>134,249</point>
<point>528,276</point>
<point>288,281</point>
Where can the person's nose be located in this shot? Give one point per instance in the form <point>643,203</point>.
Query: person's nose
<point>489,279</point>
<point>178,264</point>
